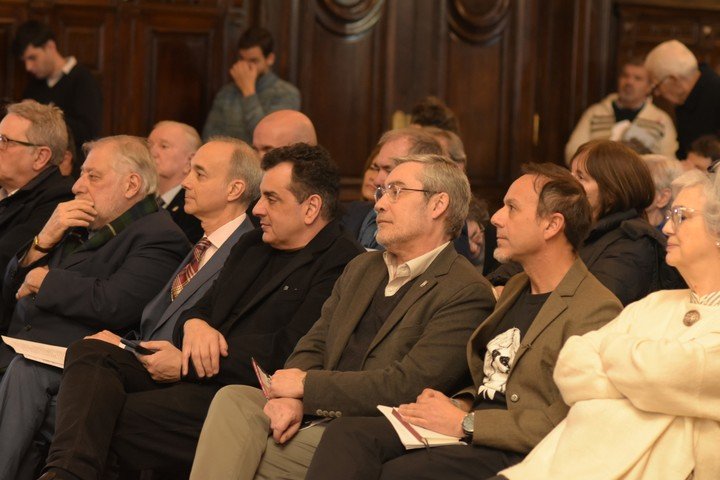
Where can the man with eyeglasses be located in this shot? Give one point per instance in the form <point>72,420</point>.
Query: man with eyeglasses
<point>396,322</point>
<point>33,140</point>
<point>694,91</point>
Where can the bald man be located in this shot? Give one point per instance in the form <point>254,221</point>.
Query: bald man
<point>172,145</point>
<point>283,128</point>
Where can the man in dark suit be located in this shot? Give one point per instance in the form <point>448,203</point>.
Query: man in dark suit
<point>513,402</point>
<point>33,139</point>
<point>26,396</point>
<point>265,298</point>
<point>396,322</point>
<point>172,145</point>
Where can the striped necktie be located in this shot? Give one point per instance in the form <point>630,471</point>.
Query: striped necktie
<point>190,269</point>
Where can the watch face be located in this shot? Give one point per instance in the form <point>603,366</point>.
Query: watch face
<point>468,423</point>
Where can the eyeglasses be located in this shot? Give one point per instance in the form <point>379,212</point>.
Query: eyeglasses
<point>679,214</point>
<point>393,191</point>
<point>6,141</point>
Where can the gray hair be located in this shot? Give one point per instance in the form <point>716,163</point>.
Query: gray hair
<point>191,135</point>
<point>663,170</point>
<point>440,174</point>
<point>244,165</point>
<point>133,155</point>
<point>671,58</point>
<point>421,142</point>
<point>455,147</point>
<point>47,126</point>
<point>710,184</point>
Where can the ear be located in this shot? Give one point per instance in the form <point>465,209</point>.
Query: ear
<point>663,198</point>
<point>50,45</point>
<point>555,224</point>
<point>311,209</point>
<point>133,183</point>
<point>42,159</point>
<point>235,190</point>
<point>188,165</point>
<point>439,203</point>
<point>270,59</point>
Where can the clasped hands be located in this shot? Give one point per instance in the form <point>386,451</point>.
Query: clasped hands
<point>285,407</point>
<point>163,365</point>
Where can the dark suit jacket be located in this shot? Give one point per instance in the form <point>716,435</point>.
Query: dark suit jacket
<point>283,310</point>
<point>23,215</point>
<point>421,344</point>
<point>579,304</point>
<point>188,224</point>
<point>161,314</point>
<point>90,290</point>
<point>354,214</point>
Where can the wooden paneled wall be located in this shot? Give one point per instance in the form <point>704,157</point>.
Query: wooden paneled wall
<point>517,72</point>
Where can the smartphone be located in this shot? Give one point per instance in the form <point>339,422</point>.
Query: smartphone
<point>135,347</point>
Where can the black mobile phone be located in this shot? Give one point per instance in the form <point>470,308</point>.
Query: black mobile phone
<point>134,346</point>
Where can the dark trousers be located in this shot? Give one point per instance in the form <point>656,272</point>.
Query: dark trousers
<point>368,448</point>
<point>109,404</point>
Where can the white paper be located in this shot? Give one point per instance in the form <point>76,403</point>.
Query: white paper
<point>431,438</point>
<point>38,352</point>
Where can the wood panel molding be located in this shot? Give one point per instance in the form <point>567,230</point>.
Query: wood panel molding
<point>478,21</point>
<point>349,17</point>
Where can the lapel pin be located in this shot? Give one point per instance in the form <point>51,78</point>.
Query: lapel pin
<point>175,209</point>
<point>423,283</point>
<point>285,287</point>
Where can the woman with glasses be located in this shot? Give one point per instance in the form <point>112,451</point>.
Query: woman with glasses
<point>644,390</point>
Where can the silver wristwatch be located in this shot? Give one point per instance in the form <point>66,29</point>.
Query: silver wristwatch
<point>468,424</point>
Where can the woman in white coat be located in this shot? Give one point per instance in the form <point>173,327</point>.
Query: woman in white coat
<point>644,390</point>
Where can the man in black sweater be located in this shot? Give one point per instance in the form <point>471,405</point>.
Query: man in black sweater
<point>60,80</point>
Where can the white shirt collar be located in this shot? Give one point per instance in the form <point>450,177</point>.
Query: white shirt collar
<point>70,63</point>
<point>168,196</point>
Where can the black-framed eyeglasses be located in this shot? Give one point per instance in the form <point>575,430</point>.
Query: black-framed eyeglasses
<point>5,141</point>
<point>679,214</point>
<point>393,191</point>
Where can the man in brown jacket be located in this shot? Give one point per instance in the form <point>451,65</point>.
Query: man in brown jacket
<point>395,323</point>
<point>513,402</point>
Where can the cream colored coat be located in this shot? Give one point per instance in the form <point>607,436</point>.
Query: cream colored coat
<point>644,393</point>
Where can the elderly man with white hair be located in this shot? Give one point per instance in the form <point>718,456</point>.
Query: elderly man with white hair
<point>693,89</point>
<point>94,265</point>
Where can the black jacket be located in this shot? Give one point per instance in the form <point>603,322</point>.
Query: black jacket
<point>95,289</point>
<point>271,323</point>
<point>23,215</point>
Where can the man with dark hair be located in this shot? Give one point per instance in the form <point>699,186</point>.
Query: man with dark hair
<point>703,152</point>
<point>513,402</point>
<point>433,112</point>
<point>254,92</point>
<point>33,138</point>
<point>628,115</point>
<point>267,295</point>
<point>397,321</point>
<point>61,81</point>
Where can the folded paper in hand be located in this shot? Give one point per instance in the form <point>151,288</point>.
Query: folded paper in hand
<point>40,352</point>
<point>413,436</point>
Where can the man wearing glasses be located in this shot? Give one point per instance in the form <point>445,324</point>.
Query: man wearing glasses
<point>693,89</point>
<point>33,139</point>
<point>396,322</point>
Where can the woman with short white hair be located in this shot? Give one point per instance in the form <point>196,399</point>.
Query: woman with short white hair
<point>644,390</point>
<point>663,171</point>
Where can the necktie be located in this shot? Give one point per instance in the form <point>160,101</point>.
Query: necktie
<point>160,202</point>
<point>190,269</point>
